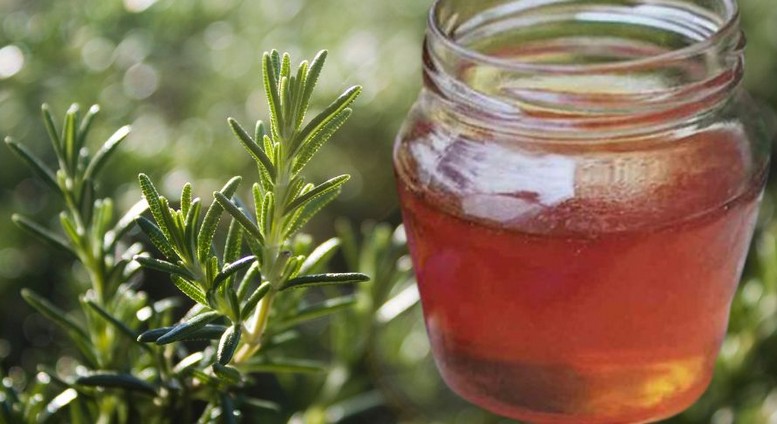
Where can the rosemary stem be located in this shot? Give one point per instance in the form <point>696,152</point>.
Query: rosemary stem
<point>272,270</point>
<point>253,340</point>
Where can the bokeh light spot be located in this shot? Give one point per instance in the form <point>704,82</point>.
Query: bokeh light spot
<point>219,35</point>
<point>97,54</point>
<point>11,61</point>
<point>149,134</point>
<point>5,348</point>
<point>12,263</point>
<point>137,6</point>
<point>723,416</point>
<point>133,49</point>
<point>282,11</point>
<point>140,81</point>
<point>415,347</point>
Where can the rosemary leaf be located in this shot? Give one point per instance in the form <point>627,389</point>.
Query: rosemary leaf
<point>228,344</point>
<point>227,408</point>
<point>271,72</point>
<point>59,317</point>
<point>125,224</point>
<point>51,129</point>
<point>106,151</point>
<point>310,84</point>
<point>310,145</point>
<point>253,148</point>
<point>304,214</point>
<point>255,297</point>
<point>86,124</point>
<point>164,266</point>
<point>250,276</point>
<point>325,279</point>
<point>239,216</point>
<point>42,233</point>
<point>190,289</point>
<point>211,220</point>
<point>115,322</point>
<point>35,164</point>
<point>117,381</point>
<point>320,255</point>
<point>158,210</point>
<point>328,186</point>
<point>157,238</point>
<point>231,269</point>
<point>340,104</point>
<point>323,309</point>
<point>69,138</point>
<point>186,198</point>
<point>234,242</point>
<point>188,327</point>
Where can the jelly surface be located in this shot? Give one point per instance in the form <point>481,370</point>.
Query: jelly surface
<point>594,307</point>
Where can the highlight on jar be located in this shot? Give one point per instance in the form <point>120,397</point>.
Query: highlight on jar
<point>579,183</point>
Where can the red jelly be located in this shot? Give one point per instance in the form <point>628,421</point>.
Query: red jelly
<point>576,259</point>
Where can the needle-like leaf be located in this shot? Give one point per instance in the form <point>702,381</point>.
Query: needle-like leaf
<point>157,238</point>
<point>325,279</point>
<point>328,186</point>
<point>271,72</point>
<point>42,233</point>
<point>155,205</point>
<point>115,322</point>
<point>51,129</point>
<point>239,216</point>
<point>59,317</point>
<point>211,220</point>
<point>228,344</point>
<point>187,328</point>
<point>106,152</point>
<point>190,289</point>
<point>320,310</point>
<point>233,268</point>
<point>253,148</point>
<point>117,381</point>
<point>313,142</point>
<point>164,266</point>
<point>320,256</point>
<point>35,164</point>
<point>310,84</point>
<point>333,110</point>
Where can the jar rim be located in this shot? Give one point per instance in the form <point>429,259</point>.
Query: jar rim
<point>728,27</point>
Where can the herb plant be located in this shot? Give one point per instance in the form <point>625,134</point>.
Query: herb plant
<point>249,286</point>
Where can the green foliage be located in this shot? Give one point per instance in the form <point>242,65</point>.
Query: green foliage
<point>282,202</point>
<point>105,327</point>
<point>235,294</point>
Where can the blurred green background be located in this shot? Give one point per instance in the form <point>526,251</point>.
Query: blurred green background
<point>176,69</point>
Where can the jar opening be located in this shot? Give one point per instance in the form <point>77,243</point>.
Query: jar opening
<point>581,36</point>
<point>619,66</point>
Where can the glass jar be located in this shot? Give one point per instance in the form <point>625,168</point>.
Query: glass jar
<point>579,182</point>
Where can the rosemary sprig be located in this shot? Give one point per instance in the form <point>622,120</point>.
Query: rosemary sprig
<point>105,328</point>
<point>238,294</point>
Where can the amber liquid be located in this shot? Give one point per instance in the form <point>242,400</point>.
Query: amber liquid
<point>619,324</point>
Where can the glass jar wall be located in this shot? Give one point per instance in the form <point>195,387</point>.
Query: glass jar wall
<point>579,182</point>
